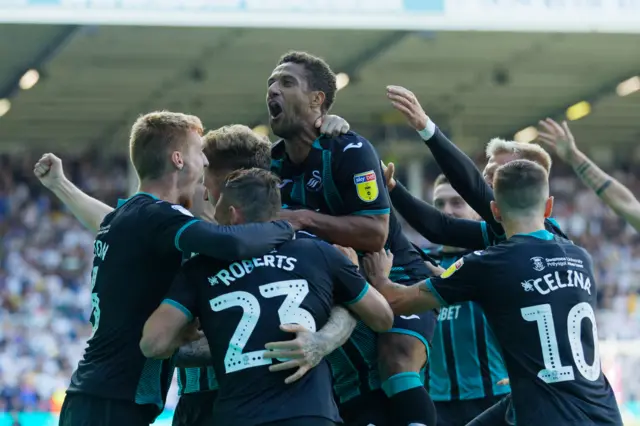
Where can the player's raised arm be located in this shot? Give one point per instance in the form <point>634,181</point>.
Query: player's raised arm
<point>89,211</point>
<point>353,291</point>
<point>360,185</point>
<point>459,169</point>
<point>175,228</point>
<point>617,196</point>
<point>172,324</point>
<point>431,223</point>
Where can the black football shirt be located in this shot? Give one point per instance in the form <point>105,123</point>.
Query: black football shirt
<point>241,306</point>
<point>137,253</point>
<point>539,295</point>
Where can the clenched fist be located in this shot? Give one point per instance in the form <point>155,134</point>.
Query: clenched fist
<point>49,171</point>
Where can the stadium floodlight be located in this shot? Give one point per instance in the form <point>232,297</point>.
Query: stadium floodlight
<point>342,80</point>
<point>262,130</point>
<point>526,135</point>
<point>29,79</point>
<point>5,106</point>
<point>578,111</point>
<point>629,86</point>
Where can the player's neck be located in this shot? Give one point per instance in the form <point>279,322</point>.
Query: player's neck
<point>299,146</point>
<point>161,189</point>
<point>523,226</point>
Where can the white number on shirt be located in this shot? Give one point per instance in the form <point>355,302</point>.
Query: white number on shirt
<point>95,302</point>
<point>289,312</point>
<point>554,371</point>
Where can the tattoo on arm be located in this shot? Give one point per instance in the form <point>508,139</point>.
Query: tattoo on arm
<point>592,176</point>
<point>337,330</point>
<point>194,354</point>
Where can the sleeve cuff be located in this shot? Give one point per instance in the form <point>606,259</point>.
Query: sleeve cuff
<point>371,212</point>
<point>179,306</point>
<point>428,132</point>
<point>435,293</point>
<point>176,240</point>
<point>360,296</point>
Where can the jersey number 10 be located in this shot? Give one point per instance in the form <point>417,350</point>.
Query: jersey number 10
<point>289,312</point>
<point>554,371</point>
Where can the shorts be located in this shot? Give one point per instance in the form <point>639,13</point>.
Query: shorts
<point>421,326</point>
<point>373,408</point>
<point>195,409</point>
<point>500,414</point>
<point>302,421</point>
<point>87,410</point>
<point>461,412</point>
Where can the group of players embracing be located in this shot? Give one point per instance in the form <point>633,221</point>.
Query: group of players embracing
<point>298,238</point>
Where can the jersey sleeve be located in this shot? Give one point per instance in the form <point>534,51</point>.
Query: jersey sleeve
<point>183,292</point>
<point>359,178</point>
<point>461,281</point>
<point>173,228</point>
<point>349,286</point>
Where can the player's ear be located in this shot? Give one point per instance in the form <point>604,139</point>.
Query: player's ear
<point>235,216</point>
<point>495,210</point>
<point>177,160</point>
<point>317,99</point>
<point>548,208</point>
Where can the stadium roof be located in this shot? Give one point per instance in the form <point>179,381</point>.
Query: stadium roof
<point>96,80</point>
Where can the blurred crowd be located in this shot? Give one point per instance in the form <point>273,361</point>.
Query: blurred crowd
<point>45,258</point>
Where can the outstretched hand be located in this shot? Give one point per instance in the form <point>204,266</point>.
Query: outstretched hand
<point>406,102</point>
<point>557,138</point>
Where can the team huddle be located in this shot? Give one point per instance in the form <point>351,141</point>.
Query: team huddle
<point>277,281</point>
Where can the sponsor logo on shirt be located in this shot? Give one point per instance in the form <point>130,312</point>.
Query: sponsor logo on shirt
<point>366,186</point>
<point>537,263</point>
<point>540,263</point>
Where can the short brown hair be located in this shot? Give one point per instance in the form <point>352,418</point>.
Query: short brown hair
<point>441,180</point>
<point>154,136</point>
<point>521,188</point>
<point>319,75</point>
<point>236,147</point>
<point>524,151</point>
<point>254,192</point>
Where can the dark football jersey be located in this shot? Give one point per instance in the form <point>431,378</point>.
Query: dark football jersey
<point>343,176</point>
<point>241,306</point>
<point>137,253</point>
<point>538,293</point>
<point>465,361</point>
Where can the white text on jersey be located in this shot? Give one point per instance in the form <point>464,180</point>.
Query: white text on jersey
<point>100,249</point>
<point>239,269</point>
<point>552,282</point>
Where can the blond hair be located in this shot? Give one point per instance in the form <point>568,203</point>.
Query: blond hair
<point>440,180</point>
<point>521,188</point>
<point>154,136</point>
<point>524,151</point>
<point>236,147</point>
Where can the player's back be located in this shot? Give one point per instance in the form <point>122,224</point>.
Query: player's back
<point>241,306</point>
<point>539,298</point>
<point>130,276</point>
